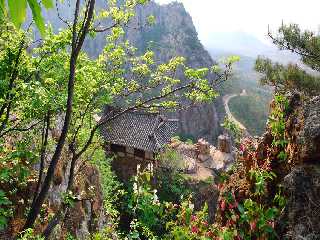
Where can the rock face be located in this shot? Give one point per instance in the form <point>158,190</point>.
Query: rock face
<point>175,35</point>
<point>301,171</point>
<point>87,214</point>
<point>302,212</point>
<point>310,134</point>
<point>302,184</point>
<point>303,130</point>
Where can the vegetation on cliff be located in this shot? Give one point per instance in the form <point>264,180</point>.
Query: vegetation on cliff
<point>52,94</point>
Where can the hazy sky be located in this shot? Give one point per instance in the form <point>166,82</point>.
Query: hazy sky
<point>251,16</point>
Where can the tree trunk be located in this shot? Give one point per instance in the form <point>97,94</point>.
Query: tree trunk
<point>77,43</point>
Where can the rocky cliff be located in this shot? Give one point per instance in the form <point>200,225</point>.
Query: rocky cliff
<point>174,34</point>
<point>300,219</point>
<point>299,174</point>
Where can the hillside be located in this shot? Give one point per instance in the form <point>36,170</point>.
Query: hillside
<point>252,110</point>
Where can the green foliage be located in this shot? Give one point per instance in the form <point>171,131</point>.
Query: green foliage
<point>285,78</point>
<point>305,43</point>
<point>34,91</point>
<point>172,186</point>
<point>249,205</point>
<point>151,19</point>
<point>234,129</point>
<point>277,124</point>
<point>70,237</point>
<point>170,159</point>
<point>261,177</point>
<point>112,189</point>
<point>258,218</point>
<point>254,216</point>
<point>18,8</point>
<point>68,198</point>
<point>252,111</point>
<point>5,211</point>
<point>156,218</point>
<point>29,234</point>
<point>36,13</point>
<point>145,206</point>
<point>189,224</point>
<point>293,77</point>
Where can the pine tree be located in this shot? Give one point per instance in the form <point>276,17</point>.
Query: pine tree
<point>293,77</point>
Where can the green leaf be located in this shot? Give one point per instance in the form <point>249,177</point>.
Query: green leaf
<point>271,213</point>
<point>37,17</point>
<point>17,9</point>
<point>240,208</point>
<point>47,4</point>
<point>3,222</point>
<point>3,199</point>
<point>2,8</point>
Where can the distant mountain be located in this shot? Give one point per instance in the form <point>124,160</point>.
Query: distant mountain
<point>247,45</point>
<point>236,42</point>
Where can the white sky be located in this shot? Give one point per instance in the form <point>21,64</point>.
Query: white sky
<point>251,16</point>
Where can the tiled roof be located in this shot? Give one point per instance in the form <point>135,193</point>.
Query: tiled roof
<point>145,131</point>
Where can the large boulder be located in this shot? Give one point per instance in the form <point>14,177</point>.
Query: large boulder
<point>303,130</point>
<point>309,136</point>
<point>302,212</point>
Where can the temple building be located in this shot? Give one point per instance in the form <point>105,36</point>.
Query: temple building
<point>135,138</point>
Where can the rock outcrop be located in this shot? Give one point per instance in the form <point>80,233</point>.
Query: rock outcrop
<point>301,170</point>
<point>302,213</point>
<point>302,184</point>
<point>309,136</point>
<point>87,214</point>
<point>203,159</point>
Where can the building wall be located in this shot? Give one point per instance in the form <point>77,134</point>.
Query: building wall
<point>125,163</point>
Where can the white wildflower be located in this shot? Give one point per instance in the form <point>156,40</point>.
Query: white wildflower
<point>191,206</point>
<point>135,187</point>
<point>155,197</point>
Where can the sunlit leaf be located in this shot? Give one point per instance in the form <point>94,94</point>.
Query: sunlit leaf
<point>37,17</point>
<point>47,3</point>
<point>2,8</point>
<point>17,9</point>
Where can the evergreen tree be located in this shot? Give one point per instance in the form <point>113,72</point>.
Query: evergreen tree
<point>293,77</point>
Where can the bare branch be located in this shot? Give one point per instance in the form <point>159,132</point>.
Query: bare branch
<point>59,16</point>
<point>104,29</point>
<point>17,129</point>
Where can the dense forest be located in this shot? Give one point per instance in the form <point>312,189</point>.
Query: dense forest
<point>57,178</point>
